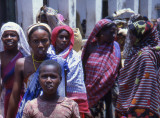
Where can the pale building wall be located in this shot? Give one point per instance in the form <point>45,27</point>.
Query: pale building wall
<point>154,13</point>
<point>133,4</point>
<point>94,14</point>
<point>81,8</point>
<point>27,11</point>
<point>67,8</point>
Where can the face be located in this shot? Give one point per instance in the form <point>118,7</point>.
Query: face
<point>39,42</point>
<point>49,79</point>
<point>43,19</point>
<point>63,40</point>
<point>108,35</point>
<point>10,39</point>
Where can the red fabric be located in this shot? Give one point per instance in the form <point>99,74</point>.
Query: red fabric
<point>102,66</point>
<point>55,34</point>
<point>81,100</point>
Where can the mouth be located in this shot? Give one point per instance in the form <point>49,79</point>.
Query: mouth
<point>9,43</point>
<point>41,51</point>
<point>49,86</point>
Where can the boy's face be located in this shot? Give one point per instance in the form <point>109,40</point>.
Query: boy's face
<point>49,79</point>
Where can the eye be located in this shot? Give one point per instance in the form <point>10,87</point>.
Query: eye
<point>35,41</point>
<point>44,40</point>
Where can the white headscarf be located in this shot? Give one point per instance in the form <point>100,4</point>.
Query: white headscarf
<point>22,43</point>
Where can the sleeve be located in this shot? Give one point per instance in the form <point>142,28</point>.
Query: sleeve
<point>75,110</point>
<point>28,111</point>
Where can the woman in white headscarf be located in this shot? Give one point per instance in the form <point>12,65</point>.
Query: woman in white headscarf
<point>13,45</point>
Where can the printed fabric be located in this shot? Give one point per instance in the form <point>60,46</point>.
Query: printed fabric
<point>102,66</point>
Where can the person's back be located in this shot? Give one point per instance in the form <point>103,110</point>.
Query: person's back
<point>50,104</point>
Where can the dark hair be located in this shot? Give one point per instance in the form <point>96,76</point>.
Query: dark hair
<point>36,28</point>
<point>104,28</point>
<point>50,62</point>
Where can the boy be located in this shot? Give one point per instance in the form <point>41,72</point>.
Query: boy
<point>49,104</point>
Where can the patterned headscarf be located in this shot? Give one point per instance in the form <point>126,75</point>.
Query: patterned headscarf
<point>55,35</point>
<point>101,67</point>
<point>22,43</point>
<point>144,32</point>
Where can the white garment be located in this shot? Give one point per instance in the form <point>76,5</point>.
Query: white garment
<point>22,44</point>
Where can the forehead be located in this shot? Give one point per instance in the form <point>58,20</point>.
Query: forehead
<point>63,31</point>
<point>10,31</point>
<point>49,68</point>
<point>39,32</point>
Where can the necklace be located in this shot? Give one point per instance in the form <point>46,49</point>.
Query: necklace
<point>35,61</point>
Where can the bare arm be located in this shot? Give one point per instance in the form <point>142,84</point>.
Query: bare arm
<point>17,87</point>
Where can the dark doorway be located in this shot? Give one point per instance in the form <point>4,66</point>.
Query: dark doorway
<point>7,11</point>
<point>105,8</point>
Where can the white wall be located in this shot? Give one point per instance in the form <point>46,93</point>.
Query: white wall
<point>81,8</point>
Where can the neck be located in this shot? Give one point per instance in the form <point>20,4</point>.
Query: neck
<point>38,58</point>
<point>49,97</point>
<point>12,51</point>
<point>58,51</point>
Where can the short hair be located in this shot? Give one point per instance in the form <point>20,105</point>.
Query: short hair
<point>36,28</point>
<point>50,62</point>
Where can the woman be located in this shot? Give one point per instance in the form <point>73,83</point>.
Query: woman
<point>54,19</point>
<point>25,68</point>
<point>62,41</point>
<point>139,80</point>
<point>13,46</point>
<point>101,61</point>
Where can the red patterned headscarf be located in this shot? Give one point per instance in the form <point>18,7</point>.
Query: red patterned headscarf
<point>55,35</point>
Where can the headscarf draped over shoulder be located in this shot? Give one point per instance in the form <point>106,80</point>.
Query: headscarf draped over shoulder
<point>22,44</point>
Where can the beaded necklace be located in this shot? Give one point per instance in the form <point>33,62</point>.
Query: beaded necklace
<point>35,61</point>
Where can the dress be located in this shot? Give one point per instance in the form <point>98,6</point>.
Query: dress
<point>139,79</point>
<point>38,108</point>
<point>101,66</point>
<point>8,79</point>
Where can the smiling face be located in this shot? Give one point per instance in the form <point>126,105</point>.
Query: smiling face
<point>63,40</point>
<point>49,78</point>
<point>10,39</point>
<point>39,42</point>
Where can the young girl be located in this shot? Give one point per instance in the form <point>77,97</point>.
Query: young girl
<point>13,46</point>
<point>50,104</point>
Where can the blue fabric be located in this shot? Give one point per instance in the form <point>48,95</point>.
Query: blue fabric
<point>34,89</point>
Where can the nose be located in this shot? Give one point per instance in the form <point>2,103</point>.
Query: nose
<point>48,79</point>
<point>9,37</point>
<point>40,44</point>
<point>64,39</point>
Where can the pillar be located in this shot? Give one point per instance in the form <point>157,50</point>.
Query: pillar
<point>94,14</point>
<point>30,9</point>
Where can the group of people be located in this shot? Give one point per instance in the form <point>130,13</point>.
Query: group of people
<point>44,77</point>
